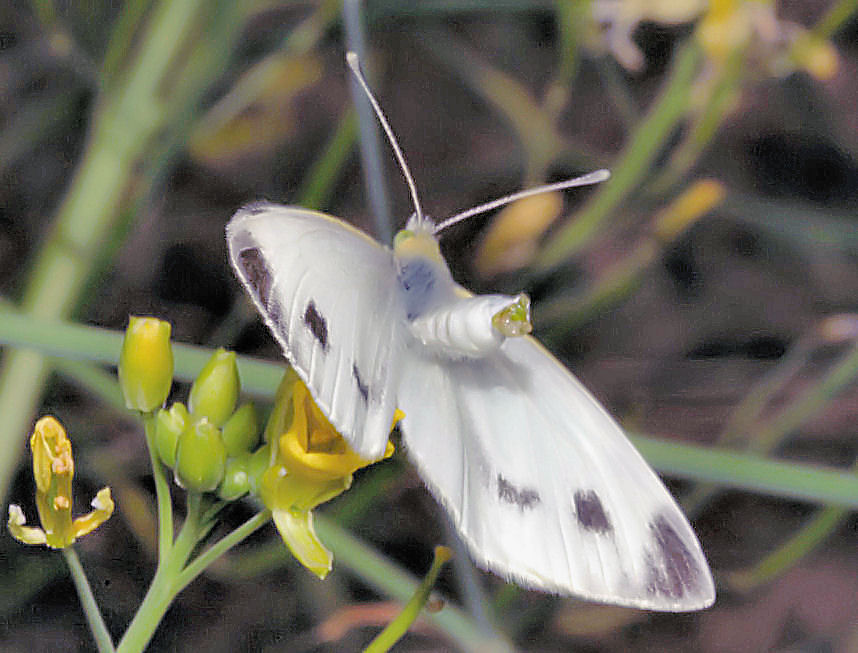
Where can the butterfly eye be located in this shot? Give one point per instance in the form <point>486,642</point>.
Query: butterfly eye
<point>401,237</point>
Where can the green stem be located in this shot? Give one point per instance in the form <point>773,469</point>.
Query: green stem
<point>645,145</point>
<point>397,628</point>
<point>126,120</point>
<point>716,107</point>
<point>751,472</point>
<point>103,641</point>
<point>389,579</point>
<point>223,545</point>
<point>790,552</point>
<point>97,345</point>
<point>164,586</point>
<point>162,490</point>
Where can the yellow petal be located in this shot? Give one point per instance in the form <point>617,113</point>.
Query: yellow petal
<point>296,529</point>
<point>103,507</point>
<point>24,534</point>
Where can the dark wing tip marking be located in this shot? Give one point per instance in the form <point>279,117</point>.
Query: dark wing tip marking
<point>259,206</point>
<point>256,272</point>
<point>524,498</point>
<point>590,512</point>
<point>317,324</point>
<point>361,386</point>
<point>673,569</point>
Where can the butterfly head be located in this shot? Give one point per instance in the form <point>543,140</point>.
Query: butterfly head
<point>417,240</point>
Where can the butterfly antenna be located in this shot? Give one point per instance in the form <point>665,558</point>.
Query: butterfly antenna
<point>584,180</point>
<point>354,64</point>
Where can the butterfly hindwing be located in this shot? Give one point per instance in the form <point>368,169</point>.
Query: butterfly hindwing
<point>328,294</point>
<point>542,484</point>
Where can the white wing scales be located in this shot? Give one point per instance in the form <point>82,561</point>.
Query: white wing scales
<point>543,485</point>
<point>328,294</point>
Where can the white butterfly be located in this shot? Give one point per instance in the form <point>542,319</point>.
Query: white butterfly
<point>539,480</point>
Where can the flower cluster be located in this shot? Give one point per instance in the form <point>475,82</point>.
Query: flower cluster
<point>213,443</point>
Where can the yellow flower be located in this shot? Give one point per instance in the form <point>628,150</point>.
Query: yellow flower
<point>310,463</point>
<point>53,469</point>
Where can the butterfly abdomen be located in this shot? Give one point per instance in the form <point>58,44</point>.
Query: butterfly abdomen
<point>463,327</point>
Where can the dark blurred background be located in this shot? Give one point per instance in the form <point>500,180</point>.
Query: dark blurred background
<point>710,296</point>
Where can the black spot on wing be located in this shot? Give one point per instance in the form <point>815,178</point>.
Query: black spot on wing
<point>590,512</point>
<point>256,272</point>
<point>255,208</point>
<point>524,498</point>
<point>275,313</point>
<point>673,570</point>
<point>361,386</point>
<point>317,324</point>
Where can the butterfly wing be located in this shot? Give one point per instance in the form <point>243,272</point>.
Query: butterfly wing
<point>328,293</point>
<point>542,484</point>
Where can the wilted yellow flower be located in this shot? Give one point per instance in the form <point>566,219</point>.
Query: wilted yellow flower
<point>310,463</point>
<point>53,469</point>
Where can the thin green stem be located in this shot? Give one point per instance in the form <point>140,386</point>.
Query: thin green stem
<point>396,629</point>
<point>834,18</point>
<point>103,641</point>
<point>223,545</point>
<point>126,121</point>
<point>97,345</point>
<point>162,490</point>
<point>391,580</point>
<point>316,188</point>
<point>645,145</point>
<point>791,551</point>
<point>164,586</point>
<point>751,472</point>
<point>716,107</point>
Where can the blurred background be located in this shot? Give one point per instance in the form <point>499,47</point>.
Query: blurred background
<point>707,293</point>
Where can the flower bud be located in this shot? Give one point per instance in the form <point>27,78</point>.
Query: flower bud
<point>215,390</point>
<point>241,431</point>
<point>169,425</point>
<point>146,364</point>
<point>200,457</point>
<point>256,467</point>
<point>236,481</point>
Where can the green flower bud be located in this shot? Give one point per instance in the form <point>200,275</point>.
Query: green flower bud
<point>258,463</point>
<point>146,363</point>
<point>241,431</point>
<point>215,390</point>
<point>169,425</point>
<point>200,457</point>
<point>235,482</point>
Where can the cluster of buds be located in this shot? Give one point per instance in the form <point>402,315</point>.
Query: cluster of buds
<point>212,444</point>
<point>209,443</point>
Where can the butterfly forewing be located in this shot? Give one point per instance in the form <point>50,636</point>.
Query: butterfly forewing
<point>328,294</point>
